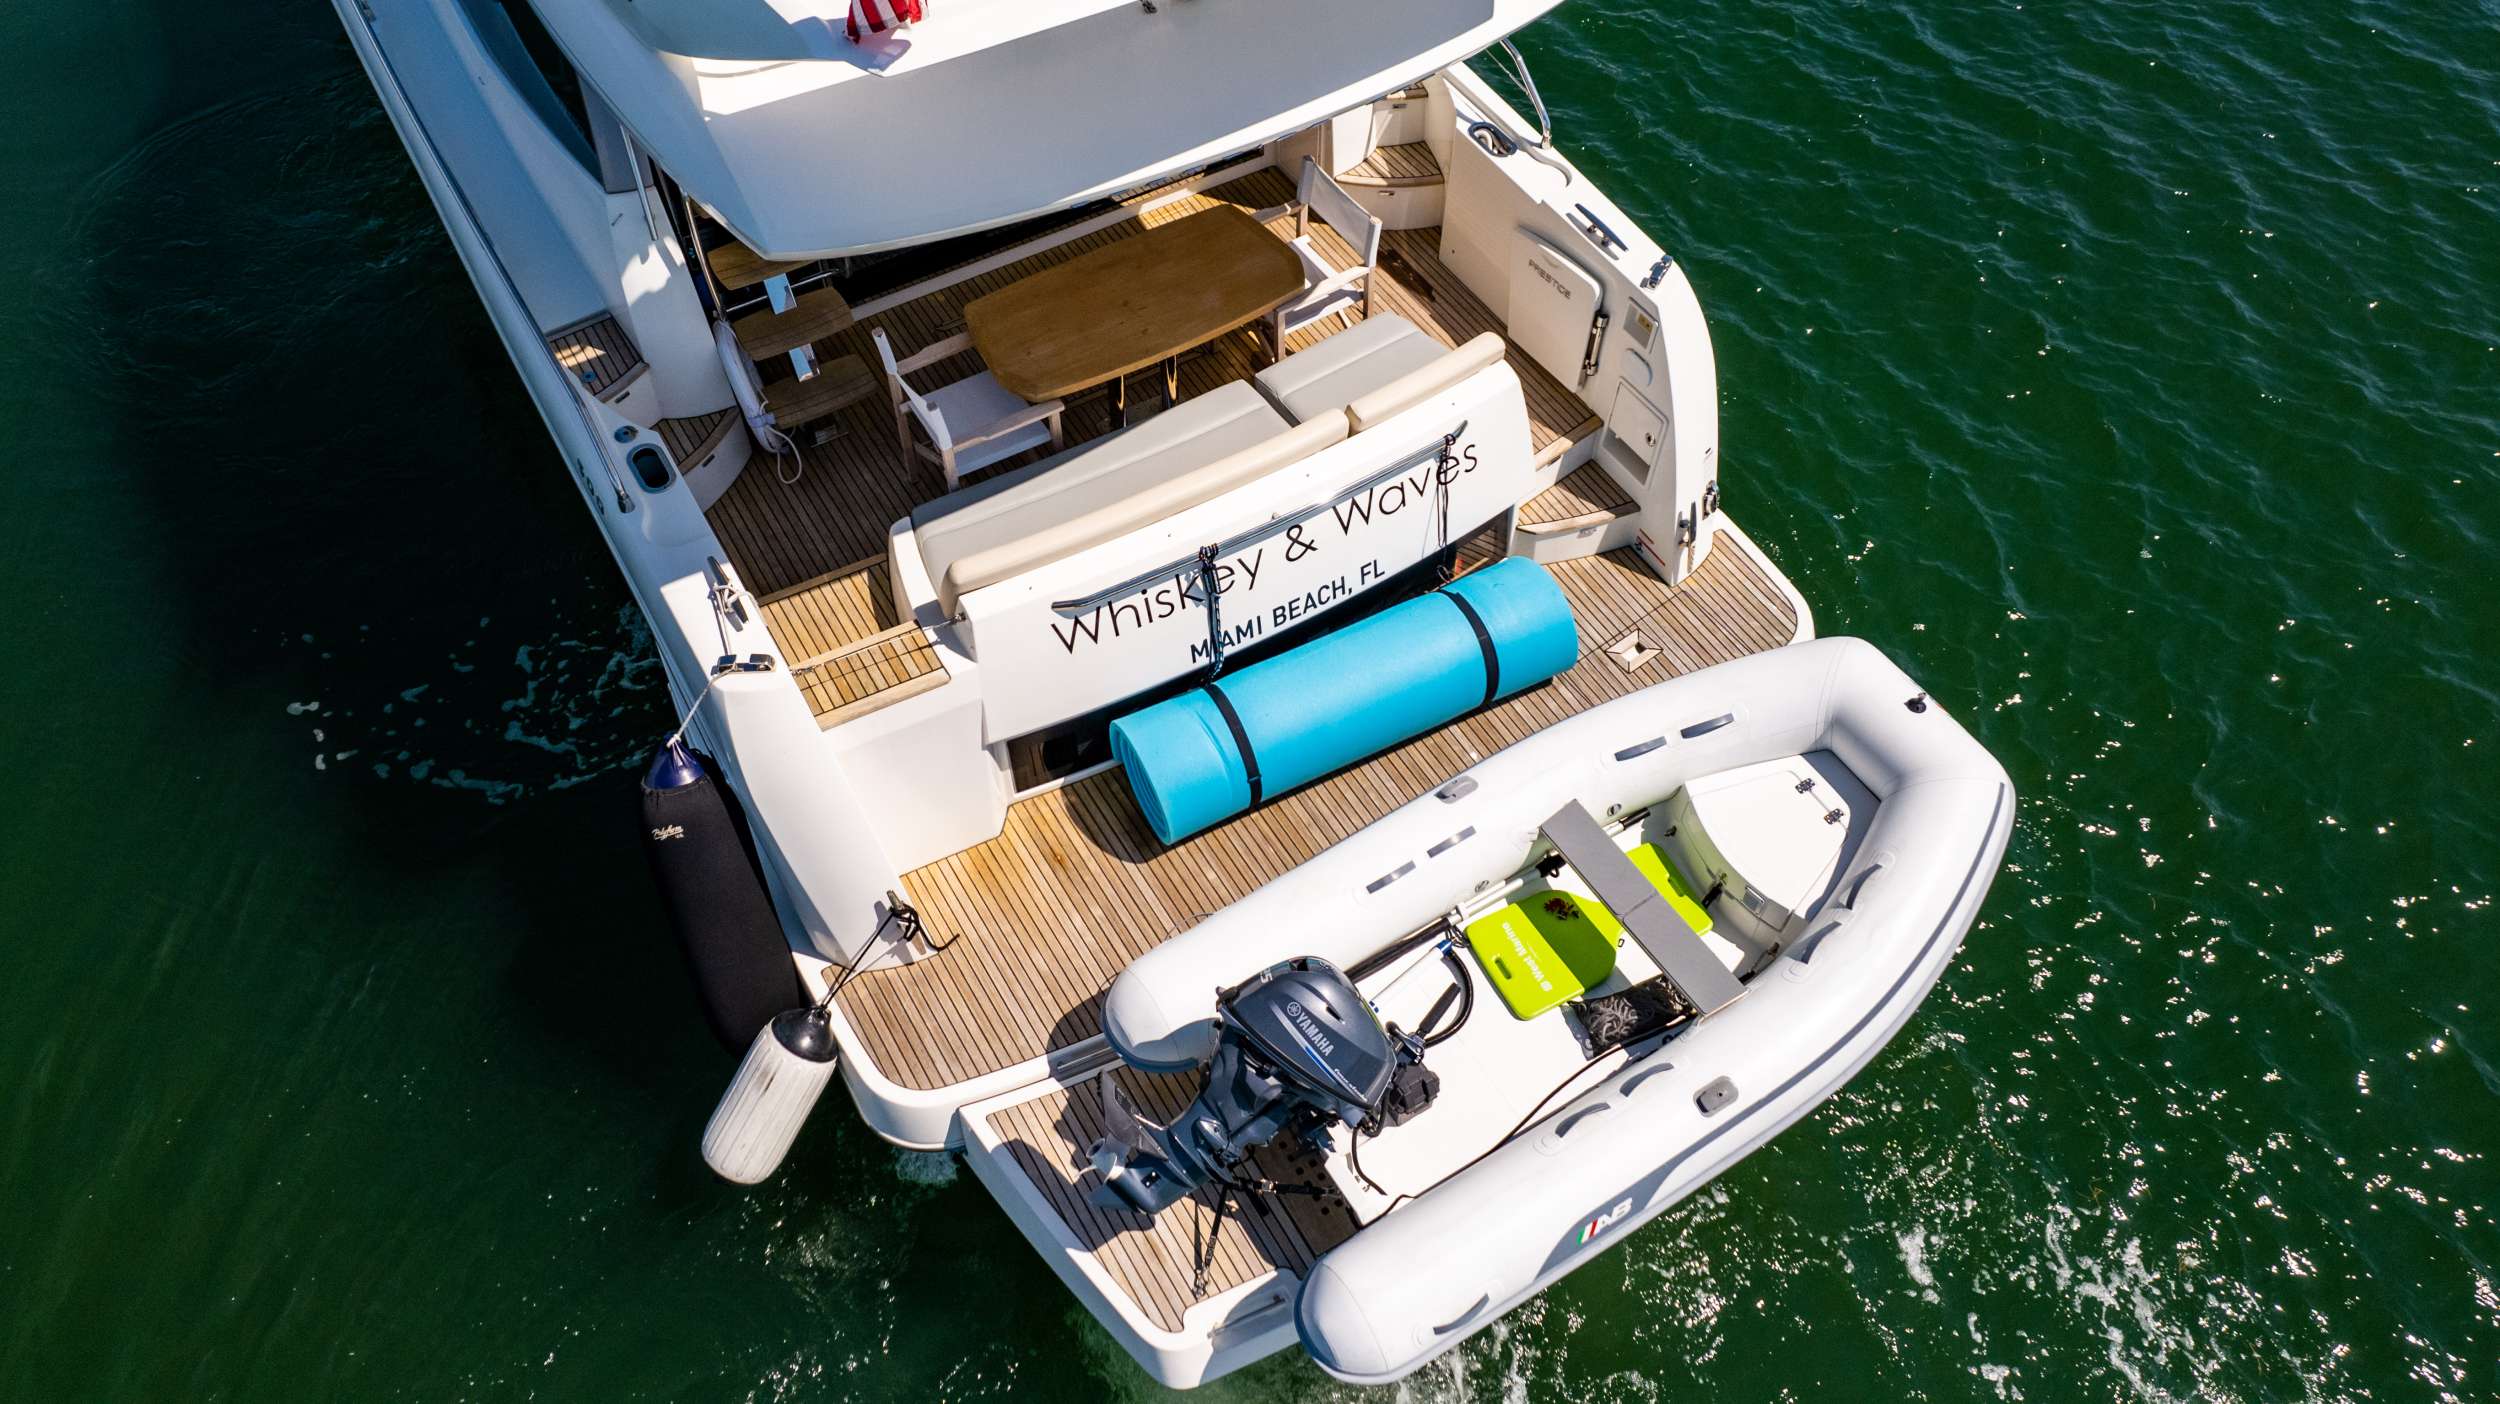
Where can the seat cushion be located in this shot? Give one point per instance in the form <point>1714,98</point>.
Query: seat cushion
<point>971,405</point>
<point>1071,484</point>
<point>1346,366</point>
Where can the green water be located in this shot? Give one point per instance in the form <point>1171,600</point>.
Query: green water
<point>2127,370</point>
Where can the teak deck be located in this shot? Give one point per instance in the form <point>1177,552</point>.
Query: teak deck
<point>596,352</point>
<point>1586,491</point>
<point>1041,918</point>
<point>1156,1258</point>
<point>858,482</point>
<point>1408,163</point>
<point>846,645</point>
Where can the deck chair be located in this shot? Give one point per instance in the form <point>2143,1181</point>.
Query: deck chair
<point>971,424</point>
<point>1326,291</point>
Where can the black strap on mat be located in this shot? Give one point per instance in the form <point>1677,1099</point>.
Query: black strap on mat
<point>1215,626</point>
<point>1484,640</point>
<point>1241,739</point>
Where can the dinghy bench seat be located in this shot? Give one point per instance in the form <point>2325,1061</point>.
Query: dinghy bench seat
<point>1191,453</point>
<point>1370,371</point>
<point>1552,946</point>
<point>1652,917</point>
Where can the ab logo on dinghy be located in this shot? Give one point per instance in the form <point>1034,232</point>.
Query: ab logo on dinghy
<point>1605,1221</point>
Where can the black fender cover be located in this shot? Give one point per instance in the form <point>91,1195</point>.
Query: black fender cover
<point>717,900</point>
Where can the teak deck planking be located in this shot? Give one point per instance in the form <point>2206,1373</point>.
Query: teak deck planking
<point>1407,163</point>
<point>813,316</point>
<point>1586,491</point>
<point>1155,1259</point>
<point>598,353</point>
<point>860,481</point>
<point>846,644</point>
<point>1043,916</point>
<point>694,439</point>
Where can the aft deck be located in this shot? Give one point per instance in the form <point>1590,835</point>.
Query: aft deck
<point>1037,921</point>
<point>795,542</point>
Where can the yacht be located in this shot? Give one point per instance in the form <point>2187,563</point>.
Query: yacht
<point>1219,681</point>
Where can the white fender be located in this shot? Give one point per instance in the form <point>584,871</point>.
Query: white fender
<point>744,383</point>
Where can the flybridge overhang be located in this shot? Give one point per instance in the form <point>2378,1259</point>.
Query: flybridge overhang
<point>806,145</point>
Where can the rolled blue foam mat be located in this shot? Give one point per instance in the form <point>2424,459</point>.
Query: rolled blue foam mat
<point>1344,696</point>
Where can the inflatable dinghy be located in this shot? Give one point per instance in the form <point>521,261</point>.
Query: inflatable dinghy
<point>1666,929</point>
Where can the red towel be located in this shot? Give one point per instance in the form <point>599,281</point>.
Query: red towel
<point>878,16</point>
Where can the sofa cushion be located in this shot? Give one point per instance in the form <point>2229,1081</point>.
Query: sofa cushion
<point>1422,383</point>
<point>1151,503</point>
<point>1344,367</point>
<point>1040,499</point>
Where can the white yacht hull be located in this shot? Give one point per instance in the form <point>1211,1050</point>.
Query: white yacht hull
<point>549,243</point>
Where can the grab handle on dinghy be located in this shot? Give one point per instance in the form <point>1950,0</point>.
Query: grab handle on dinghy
<point>1828,921</point>
<point>1563,1127</point>
<point>1873,869</point>
<point>1632,1084</point>
<point>1704,728</point>
<point>1463,1317</point>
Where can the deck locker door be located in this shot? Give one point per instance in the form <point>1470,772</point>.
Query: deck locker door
<point>1553,305</point>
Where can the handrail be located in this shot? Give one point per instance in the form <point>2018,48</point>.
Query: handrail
<point>1527,84</point>
<point>1540,150</point>
<point>590,428</point>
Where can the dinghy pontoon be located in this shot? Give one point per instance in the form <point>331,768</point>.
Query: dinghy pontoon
<point>1691,914</point>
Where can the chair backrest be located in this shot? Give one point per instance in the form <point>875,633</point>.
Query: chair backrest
<point>902,393</point>
<point>1322,196</point>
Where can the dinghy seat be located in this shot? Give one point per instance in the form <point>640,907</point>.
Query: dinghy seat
<point>1551,946</point>
<point>1651,918</point>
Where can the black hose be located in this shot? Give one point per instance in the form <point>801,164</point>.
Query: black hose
<point>1463,988</point>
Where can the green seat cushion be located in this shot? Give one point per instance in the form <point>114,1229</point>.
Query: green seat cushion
<point>1553,946</point>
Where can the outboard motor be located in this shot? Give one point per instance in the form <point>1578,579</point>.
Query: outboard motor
<point>1298,1049</point>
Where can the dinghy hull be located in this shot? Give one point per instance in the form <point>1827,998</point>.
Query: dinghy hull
<point>1850,967</point>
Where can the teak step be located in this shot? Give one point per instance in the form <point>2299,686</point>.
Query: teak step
<point>838,384</point>
<point>693,439</point>
<point>814,316</point>
<point>598,353</point>
<point>1409,163</point>
<point>735,266</point>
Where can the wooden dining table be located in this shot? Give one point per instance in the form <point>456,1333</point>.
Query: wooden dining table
<point>1128,305</point>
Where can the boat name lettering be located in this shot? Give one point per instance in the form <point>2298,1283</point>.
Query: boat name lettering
<point>1389,498</point>
<point>1159,600</point>
<point>1163,597</point>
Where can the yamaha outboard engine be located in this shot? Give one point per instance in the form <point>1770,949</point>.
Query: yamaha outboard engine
<point>1297,1049</point>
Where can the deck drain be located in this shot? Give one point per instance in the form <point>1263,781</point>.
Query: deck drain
<point>1631,651</point>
